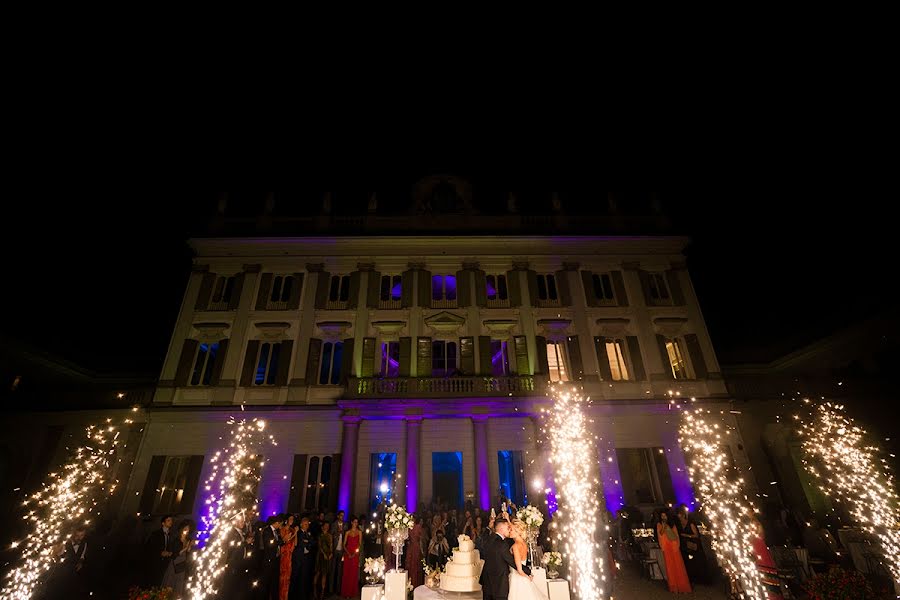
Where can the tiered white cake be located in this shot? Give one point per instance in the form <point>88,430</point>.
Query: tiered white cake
<point>463,572</point>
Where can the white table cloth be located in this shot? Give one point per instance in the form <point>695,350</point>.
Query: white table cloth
<point>423,592</point>
<point>372,592</point>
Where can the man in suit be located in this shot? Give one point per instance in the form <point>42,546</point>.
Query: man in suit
<point>268,544</point>
<point>70,576</point>
<point>236,584</point>
<point>302,563</point>
<point>338,529</point>
<point>160,548</point>
<point>497,562</point>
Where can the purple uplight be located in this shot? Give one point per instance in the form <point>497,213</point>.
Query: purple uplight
<point>348,448</point>
<point>681,479</point>
<point>481,463</point>
<point>612,482</point>
<point>412,465</point>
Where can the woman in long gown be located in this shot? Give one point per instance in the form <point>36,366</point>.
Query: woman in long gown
<point>414,555</point>
<point>668,542</point>
<point>324,559</point>
<point>352,543</point>
<point>289,539</point>
<point>521,587</point>
<point>691,547</point>
<point>177,571</point>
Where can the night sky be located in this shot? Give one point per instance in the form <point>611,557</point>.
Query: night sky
<point>98,277</point>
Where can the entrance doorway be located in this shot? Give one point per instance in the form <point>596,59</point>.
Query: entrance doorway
<point>447,478</point>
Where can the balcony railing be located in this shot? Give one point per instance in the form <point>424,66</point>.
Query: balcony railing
<point>443,303</point>
<point>337,304</point>
<point>276,305</point>
<point>389,303</point>
<point>435,387</point>
<point>548,302</point>
<point>498,303</point>
<point>222,305</point>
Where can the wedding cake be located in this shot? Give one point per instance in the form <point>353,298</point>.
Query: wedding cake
<point>462,572</point>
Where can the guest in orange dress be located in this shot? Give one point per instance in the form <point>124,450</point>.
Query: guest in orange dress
<point>352,544</point>
<point>414,554</point>
<point>289,539</point>
<point>669,543</point>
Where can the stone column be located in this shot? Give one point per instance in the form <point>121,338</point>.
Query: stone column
<point>413,437</point>
<point>349,445</point>
<point>482,471</point>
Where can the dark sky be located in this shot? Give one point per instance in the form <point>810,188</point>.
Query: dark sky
<point>97,277</point>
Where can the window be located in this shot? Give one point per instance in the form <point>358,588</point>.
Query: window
<point>281,288</point>
<point>443,287</point>
<point>339,291</point>
<point>390,359</point>
<point>330,365</point>
<point>659,291</point>
<point>512,476</point>
<point>645,476</point>
<point>318,480</point>
<point>443,358</point>
<point>174,491</point>
<point>381,481</point>
<point>603,289</point>
<point>615,354</point>
<point>499,358</point>
<point>556,361</point>
<point>496,287</point>
<point>267,363</point>
<point>391,287</point>
<point>204,363</point>
<point>546,289</point>
<point>676,359</point>
<point>222,292</point>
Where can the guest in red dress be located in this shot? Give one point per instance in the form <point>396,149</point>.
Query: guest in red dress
<point>289,539</point>
<point>352,546</point>
<point>414,554</point>
<point>669,543</point>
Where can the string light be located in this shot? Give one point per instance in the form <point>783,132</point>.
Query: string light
<point>71,498</point>
<point>572,455</point>
<point>719,486</point>
<point>237,468</point>
<point>850,471</point>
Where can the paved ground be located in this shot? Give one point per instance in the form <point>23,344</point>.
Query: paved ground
<point>628,585</point>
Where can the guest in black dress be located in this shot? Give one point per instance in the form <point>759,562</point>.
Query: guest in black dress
<point>691,547</point>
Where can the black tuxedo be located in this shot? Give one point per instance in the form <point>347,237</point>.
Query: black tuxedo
<point>236,581</point>
<point>268,544</point>
<point>70,577</point>
<point>157,543</point>
<point>497,562</point>
<point>302,566</point>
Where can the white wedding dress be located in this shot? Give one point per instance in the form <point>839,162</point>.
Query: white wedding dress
<point>522,588</point>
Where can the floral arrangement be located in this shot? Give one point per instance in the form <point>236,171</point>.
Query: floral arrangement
<point>396,517</point>
<point>838,584</point>
<point>552,559</point>
<point>429,571</point>
<point>374,566</point>
<point>531,516</point>
<point>155,593</point>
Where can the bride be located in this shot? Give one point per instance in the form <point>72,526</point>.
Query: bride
<point>521,588</point>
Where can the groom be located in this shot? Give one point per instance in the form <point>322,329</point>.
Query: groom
<point>497,561</point>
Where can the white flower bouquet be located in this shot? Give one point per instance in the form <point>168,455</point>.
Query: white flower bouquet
<point>396,517</point>
<point>374,566</point>
<point>531,516</point>
<point>552,559</point>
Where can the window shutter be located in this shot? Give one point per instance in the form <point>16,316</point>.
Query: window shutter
<point>576,367</point>
<point>481,287</point>
<point>185,362</point>
<point>354,290</point>
<point>423,357</point>
<point>634,356</point>
<point>463,288</point>
<point>284,362</point>
<point>484,355</point>
<point>405,356</point>
<point>588,282</point>
<point>249,363</point>
<point>467,355</point>
<point>645,285</point>
<point>543,366</point>
<point>693,348</point>
<point>298,483</point>
<point>151,484</point>
<point>373,291</point>
<point>333,483</point>
<point>206,288</point>
<point>425,290</point>
<point>220,360</point>
<point>512,286</point>
<point>522,367</point>
<point>667,364</point>
<point>368,357</point>
<point>562,288</point>
<point>191,483</point>
<point>603,358</point>
<point>619,288</point>
<point>323,281</point>
<point>532,287</point>
<point>312,361</point>
<point>347,360</point>
<point>406,288</point>
<point>265,288</point>
<point>235,301</point>
<point>294,300</point>
<point>675,288</point>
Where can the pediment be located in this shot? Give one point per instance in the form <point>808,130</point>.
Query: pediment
<point>670,326</point>
<point>210,332</point>
<point>272,330</point>
<point>613,327</point>
<point>445,322</point>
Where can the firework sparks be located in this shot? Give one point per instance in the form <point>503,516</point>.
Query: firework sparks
<point>732,516</point>
<point>574,462</point>
<point>237,471</point>
<point>70,499</point>
<point>850,471</point>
